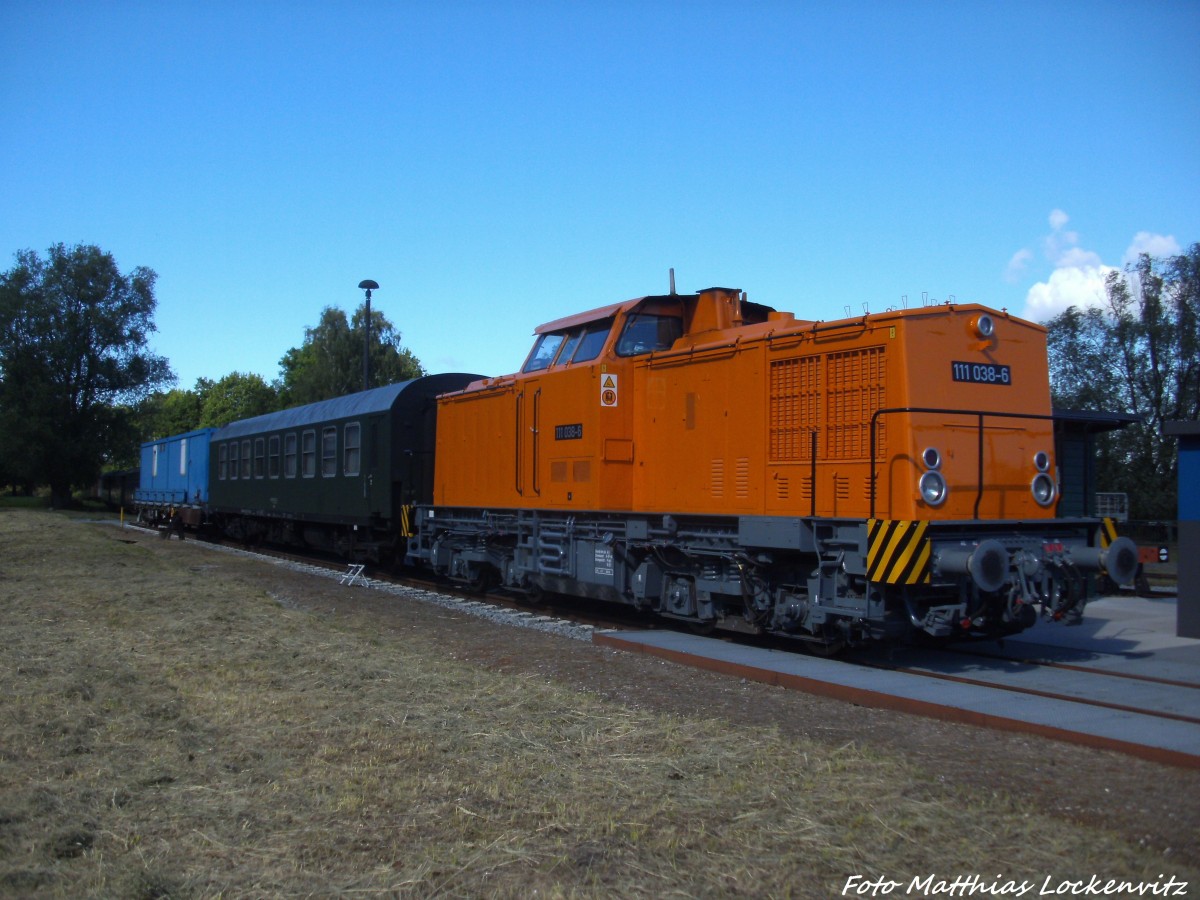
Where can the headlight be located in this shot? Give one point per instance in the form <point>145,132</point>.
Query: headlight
<point>1043,489</point>
<point>984,326</point>
<point>1041,459</point>
<point>933,488</point>
<point>931,458</point>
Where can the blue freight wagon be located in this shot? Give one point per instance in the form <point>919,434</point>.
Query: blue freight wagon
<point>174,478</point>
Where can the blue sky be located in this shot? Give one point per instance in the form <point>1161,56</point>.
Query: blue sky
<point>498,165</point>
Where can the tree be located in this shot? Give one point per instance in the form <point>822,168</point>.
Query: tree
<point>177,411</point>
<point>236,396</point>
<point>73,334</point>
<point>329,363</point>
<point>1141,354</point>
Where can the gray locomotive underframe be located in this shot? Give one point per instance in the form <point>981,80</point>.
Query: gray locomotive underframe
<point>786,574</point>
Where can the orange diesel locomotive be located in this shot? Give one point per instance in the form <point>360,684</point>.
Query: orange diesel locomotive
<point>716,461</point>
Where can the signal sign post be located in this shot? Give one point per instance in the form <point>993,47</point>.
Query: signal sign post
<point>1187,621</point>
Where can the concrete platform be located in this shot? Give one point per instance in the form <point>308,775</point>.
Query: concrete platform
<point>1129,636</point>
<point>1124,656</point>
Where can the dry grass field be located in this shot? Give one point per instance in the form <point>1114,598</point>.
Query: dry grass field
<point>179,722</point>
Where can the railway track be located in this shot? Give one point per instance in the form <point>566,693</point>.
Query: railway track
<point>576,620</point>
<point>1102,682</point>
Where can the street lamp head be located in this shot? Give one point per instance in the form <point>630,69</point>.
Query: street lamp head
<point>368,285</point>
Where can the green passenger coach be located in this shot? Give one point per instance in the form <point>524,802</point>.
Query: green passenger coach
<point>338,475</point>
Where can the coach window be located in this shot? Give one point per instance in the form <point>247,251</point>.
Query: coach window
<point>647,332</point>
<point>183,456</point>
<point>234,465</point>
<point>308,454</point>
<point>246,460</point>
<point>260,457</point>
<point>273,456</point>
<point>328,452</point>
<point>154,461</point>
<point>351,450</point>
<point>289,455</point>
<point>223,461</point>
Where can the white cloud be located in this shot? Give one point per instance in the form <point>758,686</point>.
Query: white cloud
<point>1017,265</point>
<point>1081,286</point>
<point>1154,244</point>
<point>1077,258</point>
<point>1079,275</point>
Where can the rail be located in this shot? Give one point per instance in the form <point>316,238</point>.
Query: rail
<point>979,415</point>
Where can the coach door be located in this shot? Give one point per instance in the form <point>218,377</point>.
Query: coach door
<point>376,486</point>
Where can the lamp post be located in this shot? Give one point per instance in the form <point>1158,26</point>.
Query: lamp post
<point>367,285</point>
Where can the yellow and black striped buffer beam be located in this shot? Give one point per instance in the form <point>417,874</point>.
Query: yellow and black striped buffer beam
<point>1108,532</point>
<point>897,551</point>
<point>406,522</point>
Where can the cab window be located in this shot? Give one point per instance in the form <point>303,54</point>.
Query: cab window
<point>543,353</point>
<point>564,347</point>
<point>592,341</point>
<point>568,347</point>
<point>647,332</point>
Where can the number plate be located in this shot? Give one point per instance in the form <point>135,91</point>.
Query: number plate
<point>980,373</point>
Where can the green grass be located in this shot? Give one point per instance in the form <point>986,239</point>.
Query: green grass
<point>8,501</point>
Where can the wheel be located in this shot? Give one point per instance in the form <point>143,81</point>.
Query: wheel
<point>482,580</point>
<point>535,596</point>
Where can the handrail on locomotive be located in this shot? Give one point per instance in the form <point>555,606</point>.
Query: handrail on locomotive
<point>979,414</point>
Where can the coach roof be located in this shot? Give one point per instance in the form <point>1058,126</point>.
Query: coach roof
<point>363,403</point>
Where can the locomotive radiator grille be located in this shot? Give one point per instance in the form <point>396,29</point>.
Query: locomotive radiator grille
<point>856,390</point>
<point>897,552</point>
<point>834,395</point>
<point>795,407</point>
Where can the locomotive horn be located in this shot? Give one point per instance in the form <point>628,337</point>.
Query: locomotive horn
<point>987,564</point>
<point>1119,560</point>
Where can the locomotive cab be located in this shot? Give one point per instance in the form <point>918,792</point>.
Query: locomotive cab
<point>561,432</point>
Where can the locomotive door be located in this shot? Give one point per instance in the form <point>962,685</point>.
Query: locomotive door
<point>528,450</point>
